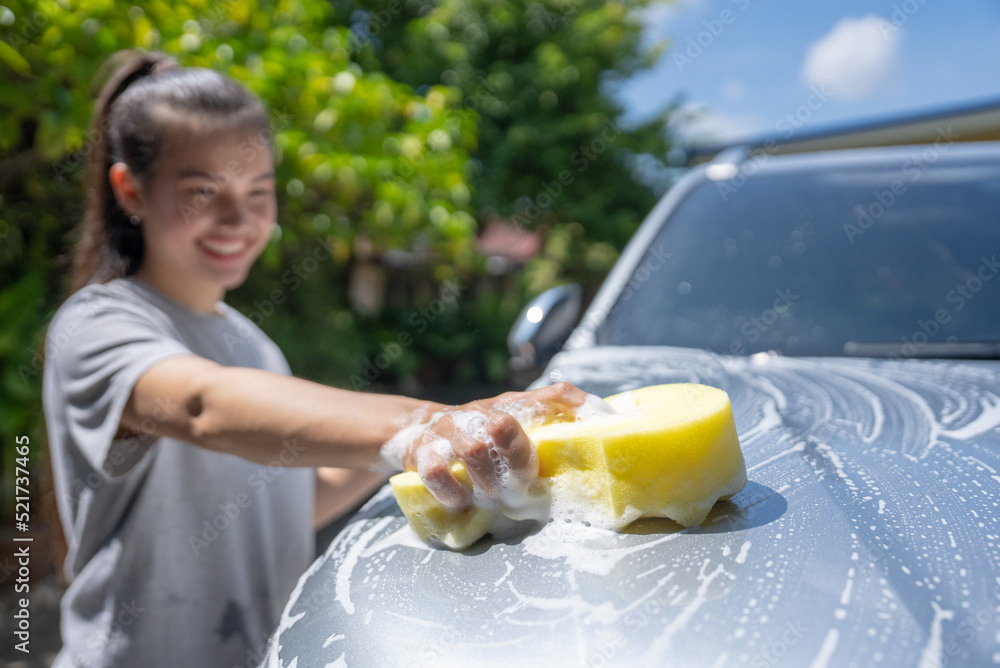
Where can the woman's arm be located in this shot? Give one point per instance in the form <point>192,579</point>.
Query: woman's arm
<point>276,419</point>
<point>266,417</point>
<point>339,490</point>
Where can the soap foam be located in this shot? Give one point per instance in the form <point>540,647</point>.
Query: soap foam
<point>593,406</point>
<point>393,451</point>
<point>528,413</point>
<point>425,456</point>
<point>523,497</point>
<point>554,502</point>
<point>531,498</point>
<point>571,503</point>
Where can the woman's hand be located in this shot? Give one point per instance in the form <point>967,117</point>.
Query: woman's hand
<point>487,436</point>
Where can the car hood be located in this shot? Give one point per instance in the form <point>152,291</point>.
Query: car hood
<point>867,533</point>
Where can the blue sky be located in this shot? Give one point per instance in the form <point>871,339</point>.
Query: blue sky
<point>876,59</point>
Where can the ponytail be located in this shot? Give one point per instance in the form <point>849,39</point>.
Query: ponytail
<point>124,129</point>
<point>109,247</point>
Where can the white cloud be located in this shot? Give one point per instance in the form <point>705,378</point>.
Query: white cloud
<point>855,58</point>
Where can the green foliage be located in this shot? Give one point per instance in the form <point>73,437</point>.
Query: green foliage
<point>341,131</point>
<point>20,346</point>
<point>551,151</point>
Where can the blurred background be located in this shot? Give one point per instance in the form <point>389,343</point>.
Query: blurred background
<point>439,163</point>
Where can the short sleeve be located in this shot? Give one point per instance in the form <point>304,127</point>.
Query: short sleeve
<point>98,348</point>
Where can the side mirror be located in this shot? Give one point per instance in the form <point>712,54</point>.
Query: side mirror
<point>543,327</point>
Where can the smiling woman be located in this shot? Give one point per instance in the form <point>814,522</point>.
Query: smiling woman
<point>208,215</point>
<point>197,446</point>
<point>208,223</point>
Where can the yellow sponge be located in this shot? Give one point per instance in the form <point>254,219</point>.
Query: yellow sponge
<point>434,522</point>
<point>670,451</point>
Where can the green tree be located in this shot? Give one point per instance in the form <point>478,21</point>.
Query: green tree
<point>551,150</point>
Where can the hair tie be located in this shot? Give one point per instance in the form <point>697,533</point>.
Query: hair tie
<point>144,71</point>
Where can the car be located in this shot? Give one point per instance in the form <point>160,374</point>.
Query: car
<point>848,301</point>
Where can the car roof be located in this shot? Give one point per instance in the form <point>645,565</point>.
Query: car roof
<point>945,151</point>
<point>973,121</point>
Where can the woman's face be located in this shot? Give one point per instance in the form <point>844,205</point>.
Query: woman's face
<point>207,212</point>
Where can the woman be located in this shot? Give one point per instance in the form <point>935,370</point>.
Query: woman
<point>190,466</point>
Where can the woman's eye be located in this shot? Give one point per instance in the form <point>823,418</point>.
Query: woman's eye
<point>204,192</point>
<point>259,191</point>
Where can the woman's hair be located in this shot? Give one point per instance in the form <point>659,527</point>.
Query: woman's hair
<point>130,126</point>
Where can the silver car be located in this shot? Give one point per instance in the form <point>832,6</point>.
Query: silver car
<point>849,303</point>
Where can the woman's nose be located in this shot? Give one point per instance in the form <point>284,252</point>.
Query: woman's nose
<point>231,210</point>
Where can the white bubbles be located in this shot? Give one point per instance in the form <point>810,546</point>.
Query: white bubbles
<point>473,424</point>
<point>577,505</point>
<point>426,455</point>
<point>592,406</point>
<point>520,496</point>
<point>528,413</point>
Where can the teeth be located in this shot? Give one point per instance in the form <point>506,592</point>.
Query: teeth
<point>224,248</point>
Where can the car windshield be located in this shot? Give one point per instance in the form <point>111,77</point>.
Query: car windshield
<point>839,258</point>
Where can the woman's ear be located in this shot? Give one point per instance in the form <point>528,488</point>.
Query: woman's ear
<point>126,189</point>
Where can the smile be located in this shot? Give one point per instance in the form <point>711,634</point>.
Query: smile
<point>225,248</point>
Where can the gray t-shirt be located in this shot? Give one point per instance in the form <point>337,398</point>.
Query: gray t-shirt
<point>178,556</point>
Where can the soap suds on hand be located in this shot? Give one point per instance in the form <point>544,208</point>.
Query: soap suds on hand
<point>522,496</point>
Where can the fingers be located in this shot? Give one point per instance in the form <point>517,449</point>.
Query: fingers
<point>560,400</point>
<point>480,457</point>
<point>494,448</point>
<point>435,470</point>
<point>553,403</point>
<point>562,393</point>
<point>511,441</point>
<point>489,440</point>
